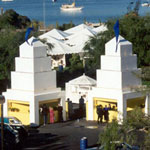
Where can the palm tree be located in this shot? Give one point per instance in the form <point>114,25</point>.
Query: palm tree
<point>95,47</point>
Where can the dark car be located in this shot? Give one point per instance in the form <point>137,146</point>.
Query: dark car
<point>10,137</point>
<point>16,125</point>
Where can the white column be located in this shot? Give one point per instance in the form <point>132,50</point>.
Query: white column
<point>147,105</point>
<point>122,108</point>
<point>63,104</point>
<point>90,107</point>
<point>34,111</point>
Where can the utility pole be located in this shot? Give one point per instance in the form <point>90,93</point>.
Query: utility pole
<point>2,101</point>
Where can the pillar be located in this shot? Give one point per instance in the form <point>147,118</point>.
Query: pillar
<point>90,107</point>
<point>122,108</point>
<point>34,112</point>
<point>147,104</point>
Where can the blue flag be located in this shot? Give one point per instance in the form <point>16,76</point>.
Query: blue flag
<point>28,33</point>
<point>116,29</point>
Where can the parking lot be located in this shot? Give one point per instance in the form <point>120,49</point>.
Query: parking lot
<point>63,136</point>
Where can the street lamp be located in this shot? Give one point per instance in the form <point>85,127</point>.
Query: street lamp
<point>2,101</point>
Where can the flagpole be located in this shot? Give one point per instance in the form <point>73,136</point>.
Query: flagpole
<point>44,15</point>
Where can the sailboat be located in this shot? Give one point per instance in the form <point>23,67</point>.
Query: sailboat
<point>54,1</point>
<point>70,7</point>
<point>7,0</point>
<point>145,4</point>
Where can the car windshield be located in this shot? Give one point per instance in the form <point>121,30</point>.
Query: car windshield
<point>14,121</point>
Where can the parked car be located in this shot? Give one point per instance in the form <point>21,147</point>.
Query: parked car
<point>10,137</point>
<point>16,125</point>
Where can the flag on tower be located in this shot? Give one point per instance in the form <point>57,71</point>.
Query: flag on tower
<point>116,30</point>
<point>28,33</point>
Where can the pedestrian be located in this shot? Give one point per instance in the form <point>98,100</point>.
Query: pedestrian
<point>106,113</point>
<point>99,114</point>
<point>44,113</point>
<point>81,107</point>
<point>51,115</point>
<point>109,107</point>
<point>61,66</point>
<point>70,109</point>
<point>60,109</point>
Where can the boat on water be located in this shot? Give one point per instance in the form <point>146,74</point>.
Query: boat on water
<point>145,4</point>
<point>7,0</point>
<point>54,1</point>
<point>70,7</point>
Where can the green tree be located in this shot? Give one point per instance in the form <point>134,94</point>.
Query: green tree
<point>11,19</point>
<point>135,29</point>
<point>66,26</point>
<point>109,136</point>
<point>95,47</point>
<point>76,63</point>
<point>134,130</point>
<point>10,42</point>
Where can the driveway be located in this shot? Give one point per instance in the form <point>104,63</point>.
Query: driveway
<point>63,136</point>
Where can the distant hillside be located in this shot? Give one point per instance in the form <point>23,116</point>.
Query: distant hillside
<point>11,19</point>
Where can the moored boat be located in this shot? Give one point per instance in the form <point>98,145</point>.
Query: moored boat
<point>145,4</point>
<point>7,0</point>
<point>54,1</point>
<point>70,7</point>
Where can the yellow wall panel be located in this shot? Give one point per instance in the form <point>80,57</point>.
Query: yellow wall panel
<point>101,101</point>
<point>86,110</point>
<point>132,103</point>
<point>20,110</point>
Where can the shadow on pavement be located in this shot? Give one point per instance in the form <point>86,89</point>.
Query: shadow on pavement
<point>44,141</point>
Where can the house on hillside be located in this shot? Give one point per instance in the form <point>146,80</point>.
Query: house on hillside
<point>67,42</point>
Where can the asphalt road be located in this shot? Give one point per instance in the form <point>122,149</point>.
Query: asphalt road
<point>63,136</point>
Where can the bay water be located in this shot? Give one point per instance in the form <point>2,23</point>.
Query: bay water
<point>93,11</point>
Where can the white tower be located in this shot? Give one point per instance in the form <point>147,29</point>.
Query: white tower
<point>117,79</point>
<point>32,83</point>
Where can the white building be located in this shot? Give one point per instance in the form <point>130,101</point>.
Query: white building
<point>79,87</point>
<point>33,84</point>
<point>117,81</point>
<point>70,41</point>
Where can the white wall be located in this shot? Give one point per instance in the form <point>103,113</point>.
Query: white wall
<point>44,81</point>
<point>130,79</point>
<point>42,64</point>
<point>118,63</point>
<point>33,65</point>
<point>28,51</point>
<point>22,81</point>
<point>74,92</point>
<point>109,79</point>
<point>124,47</point>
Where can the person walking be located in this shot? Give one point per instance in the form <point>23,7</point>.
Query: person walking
<point>106,113</point>
<point>60,109</point>
<point>70,109</point>
<point>81,107</point>
<point>51,115</point>
<point>99,114</point>
<point>45,113</point>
